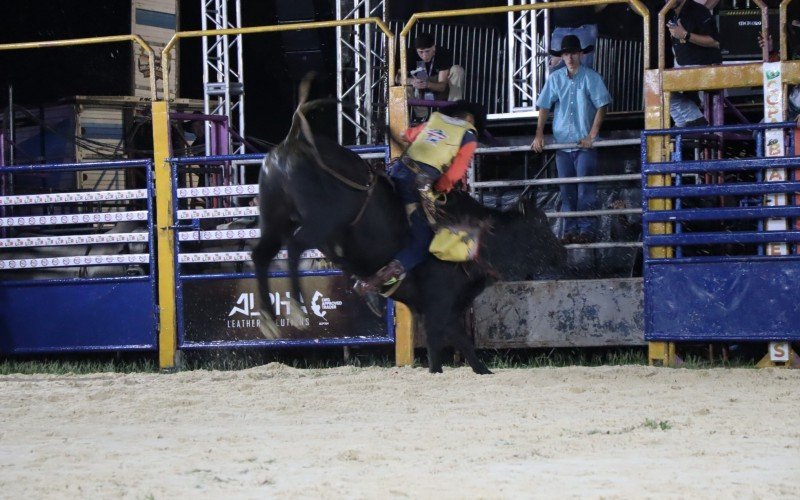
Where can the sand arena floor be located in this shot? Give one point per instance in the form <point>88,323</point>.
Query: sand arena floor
<point>278,432</point>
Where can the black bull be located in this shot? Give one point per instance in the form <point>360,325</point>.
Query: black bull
<point>303,206</point>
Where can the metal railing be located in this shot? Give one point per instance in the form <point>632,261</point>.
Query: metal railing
<point>477,187</point>
<point>744,185</point>
<point>637,6</point>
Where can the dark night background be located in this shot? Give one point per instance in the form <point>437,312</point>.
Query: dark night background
<point>42,76</point>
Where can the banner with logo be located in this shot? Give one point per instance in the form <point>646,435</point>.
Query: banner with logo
<point>774,105</point>
<point>227,310</point>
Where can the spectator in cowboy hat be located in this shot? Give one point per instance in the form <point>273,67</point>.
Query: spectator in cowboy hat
<point>578,21</point>
<point>579,98</point>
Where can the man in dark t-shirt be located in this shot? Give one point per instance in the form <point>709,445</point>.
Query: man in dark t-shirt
<point>695,42</point>
<point>432,70</point>
<point>694,35</point>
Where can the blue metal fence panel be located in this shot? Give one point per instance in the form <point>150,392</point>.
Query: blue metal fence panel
<point>221,309</point>
<point>39,315</point>
<point>722,301</point>
<point>87,315</point>
<point>713,293</point>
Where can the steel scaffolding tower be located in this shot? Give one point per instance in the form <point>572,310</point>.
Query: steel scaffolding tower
<point>222,62</point>
<point>527,57</point>
<point>361,81</point>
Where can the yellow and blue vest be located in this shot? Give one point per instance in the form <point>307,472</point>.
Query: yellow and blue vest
<point>439,141</point>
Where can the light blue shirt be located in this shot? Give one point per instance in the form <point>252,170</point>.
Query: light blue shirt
<point>577,100</point>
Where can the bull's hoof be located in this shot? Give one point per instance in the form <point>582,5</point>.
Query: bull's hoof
<point>268,327</point>
<point>297,315</point>
<point>482,370</point>
<point>433,369</point>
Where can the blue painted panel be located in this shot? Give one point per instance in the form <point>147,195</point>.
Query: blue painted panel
<point>43,317</point>
<point>102,131</point>
<point>722,301</point>
<point>163,20</point>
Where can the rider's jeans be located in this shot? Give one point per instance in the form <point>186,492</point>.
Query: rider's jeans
<point>420,235</point>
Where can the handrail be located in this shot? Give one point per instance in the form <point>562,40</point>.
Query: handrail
<point>782,22</point>
<point>662,14</point>
<point>637,5</point>
<point>94,41</point>
<point>272,29</point>
<point>602,143</point>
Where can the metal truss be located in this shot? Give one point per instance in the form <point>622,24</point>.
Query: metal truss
<point>223,76</point>
<point>361,79</point>
<point>527,57</point>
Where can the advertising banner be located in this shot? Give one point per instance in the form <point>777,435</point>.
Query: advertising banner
<point>774,147</point>
<point>227,310</point>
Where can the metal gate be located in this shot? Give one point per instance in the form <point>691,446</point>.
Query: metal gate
<point>708,272</point>
<point>78,267</point>
<point>216,228</point>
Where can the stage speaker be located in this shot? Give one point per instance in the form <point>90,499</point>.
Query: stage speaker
<point>289,11</point>
<point>739,30</point>
<point>300,41</point>
<point>303,49</point>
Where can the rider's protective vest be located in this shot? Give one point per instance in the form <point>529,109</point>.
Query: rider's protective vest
<point>439,141</point>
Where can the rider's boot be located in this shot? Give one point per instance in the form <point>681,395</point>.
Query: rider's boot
<point>386,276</point>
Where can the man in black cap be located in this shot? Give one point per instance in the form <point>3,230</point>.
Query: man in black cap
<point>580,98</point>
<point>440,149</point>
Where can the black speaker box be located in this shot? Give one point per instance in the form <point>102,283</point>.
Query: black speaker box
<point>295,10</point>
<point>301,41</point>
<point>739,30</point>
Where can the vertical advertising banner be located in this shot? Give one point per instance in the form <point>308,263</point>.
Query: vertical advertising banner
<point>228,310</point>
<point>774,147</point>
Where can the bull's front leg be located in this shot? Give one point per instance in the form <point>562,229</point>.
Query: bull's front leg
<point>434,334</point>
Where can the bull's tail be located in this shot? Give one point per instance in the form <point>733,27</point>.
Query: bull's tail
<point>300,127</point>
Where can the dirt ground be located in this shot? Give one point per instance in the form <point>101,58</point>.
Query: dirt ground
<point>278,432</point>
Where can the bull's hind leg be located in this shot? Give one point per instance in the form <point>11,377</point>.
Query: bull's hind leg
<point>457,337</point>
<point>312,234</point>
<point>266,250</point>
<point>295,249</point>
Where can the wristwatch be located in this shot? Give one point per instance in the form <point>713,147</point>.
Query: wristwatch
<point>686,36</point>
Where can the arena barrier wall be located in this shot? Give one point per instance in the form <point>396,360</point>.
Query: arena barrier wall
<point>218,302</point>
<point>717,280</point>
<point>565,311</point>
<point>78,268</point>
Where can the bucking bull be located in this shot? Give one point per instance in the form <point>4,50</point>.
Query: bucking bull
<point>314,193</point>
